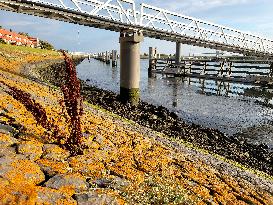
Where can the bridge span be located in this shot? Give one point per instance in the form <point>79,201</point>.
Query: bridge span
<point>125,15</point>
<point>135,21</point>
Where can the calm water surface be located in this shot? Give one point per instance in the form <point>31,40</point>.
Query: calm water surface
<point>229,107</point>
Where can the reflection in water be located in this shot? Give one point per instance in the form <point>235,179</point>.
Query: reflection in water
<point>229,107</point>
<point>151,84</point>
<point>175,91</point>
<point>115,73</point>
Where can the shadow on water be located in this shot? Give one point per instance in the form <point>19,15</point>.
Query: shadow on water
<point>233,108</point>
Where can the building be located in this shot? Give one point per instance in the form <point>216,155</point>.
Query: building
<point>17,39</point>
<point>35,41</point>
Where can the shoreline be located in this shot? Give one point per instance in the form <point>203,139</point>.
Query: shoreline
<point>160,119</point>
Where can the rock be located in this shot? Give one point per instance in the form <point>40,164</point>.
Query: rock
<point>16,169</point>
<point>6,129</point>
<point>102,183</point>
<point>19,193</point>
<point>69,181</point>
<point>54,152</point>
<point>94,198</point>
<point>89,165</point>
<point>7,151</point>
<point>33,150</point>
<point>119,183</point>
<point>116,183</point>
<point>51,168</point>
<point>90,144</point>
<point>52,197</point>
<point>7,140</point>
<point>99,139</point>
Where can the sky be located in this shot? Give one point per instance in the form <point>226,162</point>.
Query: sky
<point>253,16</point>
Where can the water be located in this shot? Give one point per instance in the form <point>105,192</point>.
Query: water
<point>229,107</point>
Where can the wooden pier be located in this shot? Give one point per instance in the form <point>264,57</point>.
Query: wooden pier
<point>231,69</point>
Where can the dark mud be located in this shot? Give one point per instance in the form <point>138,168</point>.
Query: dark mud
<point>162,120</point>
<point>52,71</point>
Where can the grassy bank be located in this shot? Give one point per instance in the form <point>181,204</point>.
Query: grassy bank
<point>12,58</point>
<point>122,164</point>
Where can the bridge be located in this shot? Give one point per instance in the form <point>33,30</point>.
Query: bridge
<point>135,21</point>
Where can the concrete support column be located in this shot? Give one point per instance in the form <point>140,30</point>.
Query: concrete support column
<point>130,67</point>
<point>152,55</point>
<point>114,58</point>
<point>178,53</point>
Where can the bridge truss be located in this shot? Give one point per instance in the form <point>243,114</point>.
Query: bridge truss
<point>125,15</point>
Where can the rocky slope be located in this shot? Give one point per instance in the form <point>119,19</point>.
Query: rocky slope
<point>124,163</point>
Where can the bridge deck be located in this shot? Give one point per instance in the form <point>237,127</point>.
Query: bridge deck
<point>121,15</point>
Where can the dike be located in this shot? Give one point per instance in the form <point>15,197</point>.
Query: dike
<point>125,163</point>
<point>160,119</point>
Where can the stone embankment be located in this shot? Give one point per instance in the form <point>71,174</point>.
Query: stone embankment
<point>162,120</point>
<point>123,163</point>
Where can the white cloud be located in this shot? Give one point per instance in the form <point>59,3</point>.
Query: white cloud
<point>191,6</point>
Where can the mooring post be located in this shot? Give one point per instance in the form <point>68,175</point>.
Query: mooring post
<point>130,67</point>
<point>114,58</point>
<point>178,53</point>
<point>108,57</point>
<point>271,70</point>
<point>104,57</point>
<point>152,54</point>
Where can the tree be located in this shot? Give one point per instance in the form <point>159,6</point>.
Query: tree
<point>24,34</point>
<point>46,45</point>
<point>2,41</point>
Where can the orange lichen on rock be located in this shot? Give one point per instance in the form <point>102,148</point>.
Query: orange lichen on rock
<point>6,139</point>
<point>17,170</point>
<point>31,149</point>
<point>52,167</point>
<point>17,193</point>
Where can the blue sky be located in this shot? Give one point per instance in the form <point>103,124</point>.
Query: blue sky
<point>253,16</point>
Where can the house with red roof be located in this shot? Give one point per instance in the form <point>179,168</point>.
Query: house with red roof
<point>17,39</point>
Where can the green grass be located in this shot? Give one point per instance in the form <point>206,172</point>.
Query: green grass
<point>26,50</point>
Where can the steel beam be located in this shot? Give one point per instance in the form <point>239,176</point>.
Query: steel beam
<point>120,15</point>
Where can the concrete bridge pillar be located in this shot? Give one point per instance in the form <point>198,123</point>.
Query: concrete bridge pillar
<point>114,58</point>
<point>152,55</point>
<point>178,53</point>
<point>130,67</point>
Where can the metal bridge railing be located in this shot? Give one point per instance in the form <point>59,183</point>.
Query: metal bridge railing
<point>150,18</point>
<point>160,19</point>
